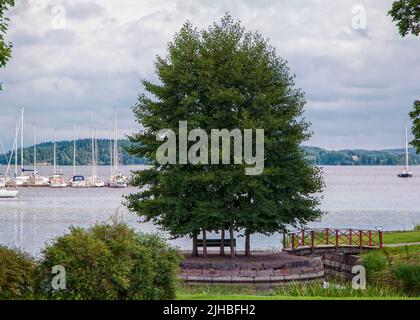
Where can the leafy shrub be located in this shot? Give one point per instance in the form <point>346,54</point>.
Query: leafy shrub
<point>374,261</point>
<point>110,262</point>
<point>408,275</point>
<point>417,227</point>
<point>16,274</point>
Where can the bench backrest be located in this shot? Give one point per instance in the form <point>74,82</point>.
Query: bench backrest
<point>215,242</point>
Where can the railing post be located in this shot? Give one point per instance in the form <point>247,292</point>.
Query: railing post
<point>303,238</point>
<point>293,242</point>
<point>336,239</point>
<point>327,236</point>
<point>381,244</point>
<point>312,238</point>
<point>361,240</point>
<point>350,237</point>
<point>370,238</point>
<point>284,240</point>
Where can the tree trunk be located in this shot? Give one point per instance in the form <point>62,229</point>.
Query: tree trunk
<point>247,243</point>
<point>204,243</point>
<point>232,242</point>
<point>195,247</point>
<point>222,245</point>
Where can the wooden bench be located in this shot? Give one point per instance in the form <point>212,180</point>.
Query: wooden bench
<point>215,243</point>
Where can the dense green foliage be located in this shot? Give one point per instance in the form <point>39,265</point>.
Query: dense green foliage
<point>393,157</point>
<point>17,271</point>
<point>110,262</point>
<point>65,153</point>
<point>415,117</point>
<point>406,13</point>
<point>409,275</point>
<point>375,261</point>
<point>225,77</point>
<point>397,267</point>
<point>5,47</point>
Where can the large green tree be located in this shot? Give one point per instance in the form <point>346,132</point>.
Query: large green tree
<point>406,13</point>
<point>5,47</point>
<point>415,117</point>
<point>224,77</point>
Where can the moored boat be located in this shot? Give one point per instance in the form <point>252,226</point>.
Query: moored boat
<point>406,173</point>
<point>78,181</point>
<point>57,181</point>
<point>117,179</point>
<point>5,194</point>
<point>2,181</point>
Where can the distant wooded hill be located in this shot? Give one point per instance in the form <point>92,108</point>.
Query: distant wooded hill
<point>316,155</point>
<point>45,153</point>
<point>321,156</point>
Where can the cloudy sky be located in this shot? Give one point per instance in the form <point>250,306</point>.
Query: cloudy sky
<point>74,57</point>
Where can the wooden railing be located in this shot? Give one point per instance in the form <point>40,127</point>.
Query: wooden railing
<point>319,238</point>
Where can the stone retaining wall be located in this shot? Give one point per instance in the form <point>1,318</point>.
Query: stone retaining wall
<point>267,273</point>
<point>340,265</point>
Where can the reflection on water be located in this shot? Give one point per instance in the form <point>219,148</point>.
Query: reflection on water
<point>360,197</point>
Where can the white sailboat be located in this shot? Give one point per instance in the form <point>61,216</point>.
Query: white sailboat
<point>5,194</point>
<point>117,179</point>
<point>77,181</point>
<point>19,180</point>
<point>406,173</point>
<point>57,180</point>
<point>35,179</point>
<point>2,181</point>
<point>94,181</point>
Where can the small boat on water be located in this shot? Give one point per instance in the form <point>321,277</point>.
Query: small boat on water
<point>57,180</point>
<point>19,180</point>
<point>77,181</point>
<point>94,181</point>
<point>117,179</point>
<point>406,173</point>
<point>35,179</point>
<point>3,181</point>
<point>7,194</point>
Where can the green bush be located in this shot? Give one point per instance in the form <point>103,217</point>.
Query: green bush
<point>408,275</point>
<point>110,262</point>
<point>16,274</point>
<point>374,261</point>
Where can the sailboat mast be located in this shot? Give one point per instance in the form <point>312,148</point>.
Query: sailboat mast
<point>55,152</point>
<point>16,145</point>
<point>21,144</point>
<point>406,146</point>
<point>35,167</point>
<point>96,152</point>
<point>110,149</point>
<point>93,147</point>
<point>74,148</point>
<point>116,160</point>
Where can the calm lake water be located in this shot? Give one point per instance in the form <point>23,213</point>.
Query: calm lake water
<point>358,197</point>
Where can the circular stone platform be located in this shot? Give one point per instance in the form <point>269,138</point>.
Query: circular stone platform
<point>260,268</point>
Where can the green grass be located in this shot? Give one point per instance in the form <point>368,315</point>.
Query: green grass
<point>293,291</point>
<point>401,237</point>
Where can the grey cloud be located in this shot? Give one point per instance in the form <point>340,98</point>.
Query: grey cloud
<point>359,84</point>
